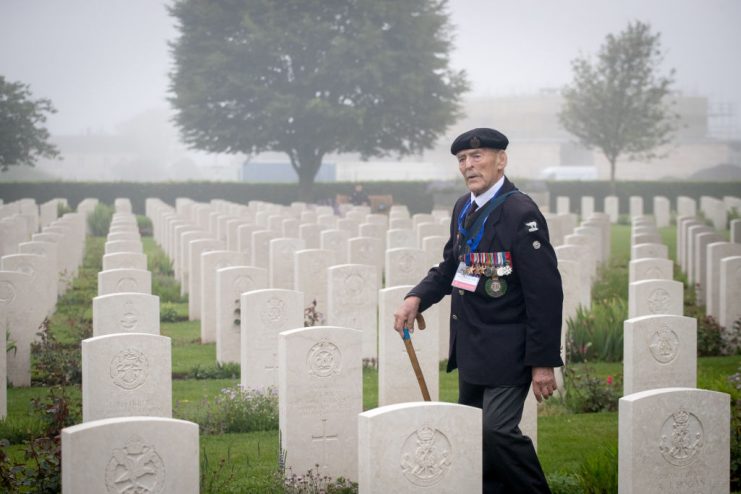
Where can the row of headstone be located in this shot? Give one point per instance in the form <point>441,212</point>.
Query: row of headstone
<point>672,436</point>
<point>126,365</point>
<point>291,266</point>
<point>34,271</point>
<point>713,267</point>
<point>128,441</point>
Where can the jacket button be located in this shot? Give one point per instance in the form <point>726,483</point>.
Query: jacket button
<point>455,318</point>
<point>461,292</point>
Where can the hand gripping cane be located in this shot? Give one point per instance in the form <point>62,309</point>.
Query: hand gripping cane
<point>413,357</point>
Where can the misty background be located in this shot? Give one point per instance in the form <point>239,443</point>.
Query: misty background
<point>105,63</point>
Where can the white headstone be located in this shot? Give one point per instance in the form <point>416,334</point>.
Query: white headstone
<point>674,440</point>
<point>320,397</point>
<point>311,235</point>
<point>655,297</point>
<point>396,238</point>
<point>124,260</point>
<point>211,262</point>
<point>662,211</point>
<point>124,280</point>
<point>700,263</point>
<point>282,267</point>
<point>336,241</point>
<point>715,253</point>
<point>405,266</point>
<point>650,269</point>
<point>264,314</point>
<point>368,251</point>
<point>311,276</point>
<point>686,206</point>
<point>126,313</point>
<point>563,204</point>
<point>20,318</point>
<point>612,208</point>
<point>352,302</point>
<point>123,246</point>
<point>131,454</point>
<point>396,380</point>
<point>649,251</point>
<point>730,291</point>
<point>420,447</point>
<point>659,352</point>
<point>125,375</point>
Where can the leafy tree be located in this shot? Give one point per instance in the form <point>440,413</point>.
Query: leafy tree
<point>311,77</point>
<point>620,104</point>
<point>23,139</point>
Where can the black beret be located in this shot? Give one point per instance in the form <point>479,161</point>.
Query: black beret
<point>479,138</point>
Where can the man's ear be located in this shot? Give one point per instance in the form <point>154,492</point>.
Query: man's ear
<point>502,160</point>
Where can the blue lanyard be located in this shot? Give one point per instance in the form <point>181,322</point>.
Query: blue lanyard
<point>473,236</point>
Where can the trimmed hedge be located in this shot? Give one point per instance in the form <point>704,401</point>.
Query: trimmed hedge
<point>416,195</point>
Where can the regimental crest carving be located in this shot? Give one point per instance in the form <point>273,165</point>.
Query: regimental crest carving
<point>658,301</point>
<point>354,289</point>
<point>426,457</point>
<point>27,268</point>
<point>135,469</point>
<point>406,263</point>
<point>7,292</point>
<point>664,345</point>
<point>682,438</point>
<point>130,318</point>
<point>324,359</point>
<point>127,285</point>
<point>129,369</point>
<point>273,312</point>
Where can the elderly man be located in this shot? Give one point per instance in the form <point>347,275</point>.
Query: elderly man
<point>505,322</point>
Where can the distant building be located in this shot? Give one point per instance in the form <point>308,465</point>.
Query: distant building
<point>538,142</point>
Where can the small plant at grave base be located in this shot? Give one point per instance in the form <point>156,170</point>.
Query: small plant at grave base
<point>144,224</point>
<point>168,313</point>
<point>238,410</point>
<point>159,263</point>
<point>312,482</point>
<point>56,363</point>
<point>587,393</point>
<point>227,370</point>
<point>40,472</point>
<point>167,289</point>
<point>218,478</point>
<point>63,209</point>
<point>10,344</point>
<point>312,317</point>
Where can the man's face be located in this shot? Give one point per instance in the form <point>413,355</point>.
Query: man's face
<point>481,167</point>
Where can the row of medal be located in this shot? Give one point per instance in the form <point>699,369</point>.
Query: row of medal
<point>488,264</point>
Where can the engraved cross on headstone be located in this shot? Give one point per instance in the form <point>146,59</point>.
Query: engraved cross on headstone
<point>324,438</point>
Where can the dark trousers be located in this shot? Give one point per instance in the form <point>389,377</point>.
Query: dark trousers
<point>511,465</point>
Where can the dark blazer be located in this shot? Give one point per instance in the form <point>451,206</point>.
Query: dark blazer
<point>496,341</point>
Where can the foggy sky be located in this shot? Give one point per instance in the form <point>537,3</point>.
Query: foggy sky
<point>106,61</point>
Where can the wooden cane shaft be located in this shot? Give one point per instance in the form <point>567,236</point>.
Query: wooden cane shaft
<point>417,370</point>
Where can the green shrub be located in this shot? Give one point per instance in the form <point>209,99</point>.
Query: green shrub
<point>145,225</point>
<point>63,209</point>
<point>159,263</point>
<point>169,313</point>
<point>229,370</point>
<point>587,393</point>
<point>54,362</point>
<point>167,289</point>
<point>236,410</point>
<point>597,334</point>
<point>99,221</point>
<point>599,472</point>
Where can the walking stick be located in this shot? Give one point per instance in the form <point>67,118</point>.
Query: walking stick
<point>413,357</point>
